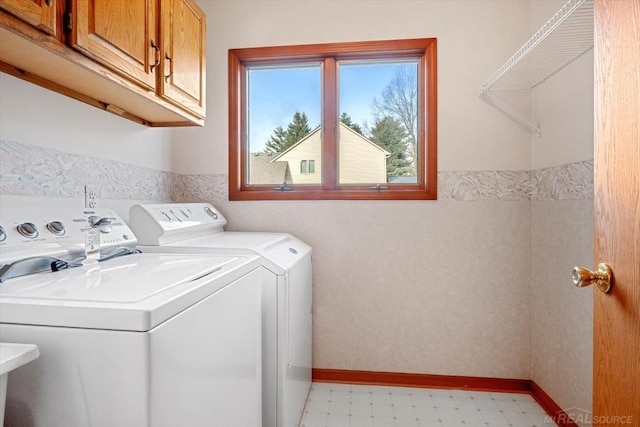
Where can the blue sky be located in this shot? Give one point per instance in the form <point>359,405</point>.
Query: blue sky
<point>275,94</point>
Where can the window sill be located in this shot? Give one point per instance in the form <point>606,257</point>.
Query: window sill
<point>256,194</point>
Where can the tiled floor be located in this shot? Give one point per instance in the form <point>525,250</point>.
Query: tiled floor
<point>338,405</point>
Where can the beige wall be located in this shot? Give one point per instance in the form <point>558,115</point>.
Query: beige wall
<point>32,115</point>
<point>562,315</point>
<point>562,234</point>
<point>563,107</point>
<point>440,288</point>
<point>428,287</point>
<point>474,39</point>
<point>35,116</point>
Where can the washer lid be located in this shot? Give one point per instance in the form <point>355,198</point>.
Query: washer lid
<point>136,292</point>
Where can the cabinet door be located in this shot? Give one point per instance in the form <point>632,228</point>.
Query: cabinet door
<point>183,27</point>
<point>119,34</point>
<point>39,13</point>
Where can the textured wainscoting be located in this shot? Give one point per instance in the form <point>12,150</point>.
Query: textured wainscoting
<point>573,181</point>
<point>29,170</point>
<point>484,185</point>
<point>211,187</point>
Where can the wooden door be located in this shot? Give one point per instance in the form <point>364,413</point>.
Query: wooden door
<point>39,13</point>
<point>616,388</point>
<point>120,34</point>
<point>183,30</point>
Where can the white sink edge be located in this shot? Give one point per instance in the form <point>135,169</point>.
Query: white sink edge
<point>13,356</point>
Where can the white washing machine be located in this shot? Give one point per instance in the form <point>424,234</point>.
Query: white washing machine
<point>286,292</point>
<point>146,339</point>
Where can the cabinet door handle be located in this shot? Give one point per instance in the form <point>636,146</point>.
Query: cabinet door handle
<point>166,78</point>
<point>48,2</point>
<point>157,55</point>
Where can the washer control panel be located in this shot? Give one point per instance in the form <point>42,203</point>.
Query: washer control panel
<point>159,224</point>
<point>22,228</point>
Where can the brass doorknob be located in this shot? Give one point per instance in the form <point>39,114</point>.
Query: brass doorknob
<point>602,277</point>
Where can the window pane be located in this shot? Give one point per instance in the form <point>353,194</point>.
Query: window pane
<point>283,124</point>
<point>312,166</point>
<point>378,132</point>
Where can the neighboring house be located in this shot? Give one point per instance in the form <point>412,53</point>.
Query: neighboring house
<point>361,161</point>
<point>263,170</point>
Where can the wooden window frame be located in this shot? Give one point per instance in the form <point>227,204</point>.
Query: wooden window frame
<point>424,50</point>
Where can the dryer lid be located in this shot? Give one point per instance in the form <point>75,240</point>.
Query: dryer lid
<point>280,251</point>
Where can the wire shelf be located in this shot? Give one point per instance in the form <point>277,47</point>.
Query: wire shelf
<point>563,39</point>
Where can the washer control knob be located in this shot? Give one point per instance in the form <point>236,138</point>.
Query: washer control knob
<point>57,228</point>
<point>28,229</point>
<point>103,224</point>
<point>3,234</point>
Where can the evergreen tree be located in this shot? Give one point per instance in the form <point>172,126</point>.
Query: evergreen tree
<point>282,139</point>
<point>347,121</point>
<point>391,135</point>
<point>277,140</point>
<point>298,128</point>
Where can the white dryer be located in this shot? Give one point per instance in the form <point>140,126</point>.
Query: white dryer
<point>286,293</point>
<point>142,340</point>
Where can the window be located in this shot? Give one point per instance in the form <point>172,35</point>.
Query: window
<point>365,112</point>
<point>311,168</point>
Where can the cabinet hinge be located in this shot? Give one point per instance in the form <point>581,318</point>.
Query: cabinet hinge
<point>67,23</point>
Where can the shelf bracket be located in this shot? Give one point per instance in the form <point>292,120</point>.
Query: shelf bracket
<point>509,110</point>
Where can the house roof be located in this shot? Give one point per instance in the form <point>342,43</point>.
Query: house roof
<point>304,138</point>
<point>342,125</point>
<point>386,153</point>
<point>263,170</point>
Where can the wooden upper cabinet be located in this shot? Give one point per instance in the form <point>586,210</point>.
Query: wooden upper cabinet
<point>183,31</point>
<point>112,54</point>
<point>119,34</point>
<point>39,13</point>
